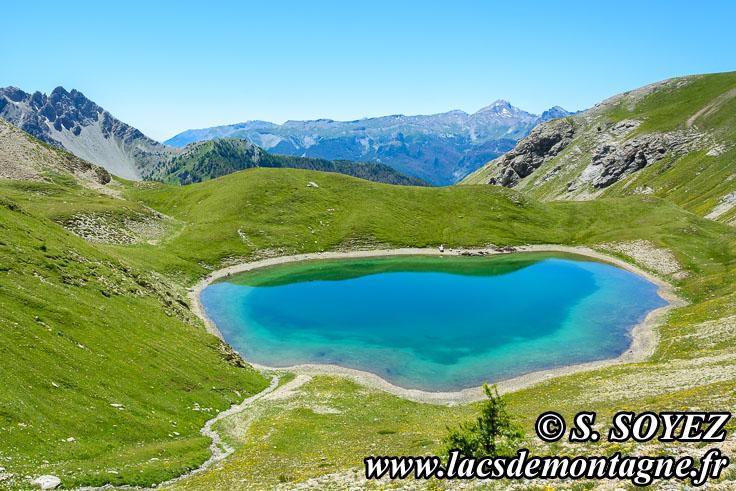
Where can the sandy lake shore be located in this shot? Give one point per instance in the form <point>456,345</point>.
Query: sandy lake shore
<point>644,336</point>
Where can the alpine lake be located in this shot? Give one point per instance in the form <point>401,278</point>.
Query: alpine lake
<point>435,323</point>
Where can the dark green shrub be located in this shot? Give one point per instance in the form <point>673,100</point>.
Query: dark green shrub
<point>494,433</point>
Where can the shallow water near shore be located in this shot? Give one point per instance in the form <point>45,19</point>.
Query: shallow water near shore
<point>430,322</point>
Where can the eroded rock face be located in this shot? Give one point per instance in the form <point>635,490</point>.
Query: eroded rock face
<point>622,128</point>
<point>612,161</point>
<point>68,120</point>
<point>36,112</point>
<point>543,143</point>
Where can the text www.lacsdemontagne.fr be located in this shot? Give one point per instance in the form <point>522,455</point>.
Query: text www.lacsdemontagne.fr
<point>639,470</point>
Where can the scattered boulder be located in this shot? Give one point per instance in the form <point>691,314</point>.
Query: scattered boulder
<point>103,177</point>
<point>727,202</point>
<point>622,128</point>
<point>47,482</point>
<point>311,184</point>
<point>473,253</point>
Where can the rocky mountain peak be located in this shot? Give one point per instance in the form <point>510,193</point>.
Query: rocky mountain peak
<point>60,92</point>
<point>497,107</point>
<point>440,148</point>
<point>13,93</point>
<point>71,121</point>
<point>554,113</point>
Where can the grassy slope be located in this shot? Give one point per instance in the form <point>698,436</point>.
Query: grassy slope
<point>696,182</point>
<point>277,213</point>
<point>276,210</point>
<point>81,330</point>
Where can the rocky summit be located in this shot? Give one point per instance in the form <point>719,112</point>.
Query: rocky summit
<point>69,120</point>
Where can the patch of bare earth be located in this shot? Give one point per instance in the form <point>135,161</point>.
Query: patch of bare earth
<point>117,228</point>
<point>646,254</point>
<point>727,202</point>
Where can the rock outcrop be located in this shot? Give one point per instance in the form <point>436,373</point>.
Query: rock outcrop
<point>615,160</point>
<point>543,143</point>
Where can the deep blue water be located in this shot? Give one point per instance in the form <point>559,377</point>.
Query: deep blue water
<point>433,323</point>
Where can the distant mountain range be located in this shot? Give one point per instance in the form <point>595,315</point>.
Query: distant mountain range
<point>440,148</point>
<point>70,121</point>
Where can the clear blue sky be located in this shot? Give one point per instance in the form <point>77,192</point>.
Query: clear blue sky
<point>166,67</point>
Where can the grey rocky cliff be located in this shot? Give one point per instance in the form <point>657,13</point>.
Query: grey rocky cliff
<point>70,121</point>
<point>614,160</point>
<point>544,142</point>
<point>613,154</point>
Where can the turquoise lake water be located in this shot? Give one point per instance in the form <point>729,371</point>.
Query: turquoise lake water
<point>433,323</point>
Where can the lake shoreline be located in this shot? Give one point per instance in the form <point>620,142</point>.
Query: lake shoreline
<point>644,336</point>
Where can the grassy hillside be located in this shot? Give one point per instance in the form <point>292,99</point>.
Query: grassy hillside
<point>81,331</point>
<point>295,439</point>
<point>215,158</point>
<point>269,211</point>
<point>692,118</point>
<point>90,323</point>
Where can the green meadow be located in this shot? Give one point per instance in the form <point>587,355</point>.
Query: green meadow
<point>91,325</point>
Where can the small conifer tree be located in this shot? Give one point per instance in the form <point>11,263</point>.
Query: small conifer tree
<point>494,432</point>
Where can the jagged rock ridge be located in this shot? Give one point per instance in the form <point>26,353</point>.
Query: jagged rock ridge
<point>68,120</point>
